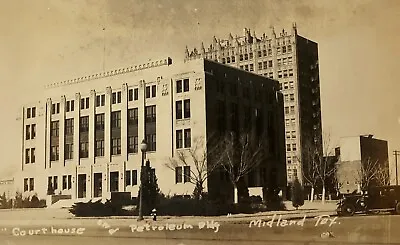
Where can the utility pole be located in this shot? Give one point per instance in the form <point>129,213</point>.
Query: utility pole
<point>396,153</point>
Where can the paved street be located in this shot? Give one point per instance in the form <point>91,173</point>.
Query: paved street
<point>379,229</point>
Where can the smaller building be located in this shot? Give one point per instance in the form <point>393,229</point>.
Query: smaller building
<point>363,162</point>
<point>7,187</point>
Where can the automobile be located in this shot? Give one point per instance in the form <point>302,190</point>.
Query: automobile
<point>372,200</point>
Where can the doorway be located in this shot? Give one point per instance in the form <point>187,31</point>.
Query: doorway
<point>81,185</point>
<point>98,184</point>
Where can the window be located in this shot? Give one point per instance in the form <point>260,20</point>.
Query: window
<point>69,151</point>
<point>99,148</point>
<point>33,155</point>
<point>293,122</point>
<point>223,60</point>
<point>69,106</point>
<point>188,139</point>
<point>241,57</point>
<point>269,52</point>
<point>54,129</point>
<point>293,134</point>
<point>130,95</point>
<point>179,139</point>
<point>246,56</point>
<point>178,175</point>
<point>150,114</point>
<point>290,60</point>
<point>286,97</point>
<point>279,74</point>
<point>132,144</point>
<point>178,106</point>
<point>99,122</point>
<point>233,59</point>
<point>26,187</point>
<point>178,86</point>
<point>251,67</point>
<point>290,72</point>
<point>287,122</point>
<point>287,135</point>
<point>84,149</point>
<point>289,48</point>
<point>69,126</point>
<point>271,75</point>
<point>286,109</point>
<point>289,160</point>
<point>67,182</point>
<point>84,124</point>
<point>28,132</point>
<point>116,119</point>
<point>291,97</point>
<point>55,108</point>
<point>291,84</point>
<point>148,92</point>
<point>284,61</point>
<point>100,100</point>
<point>55,182</point>
<point>31,184</point>
<point>287,147</point>
<point>186,172</point>
<point>54,156</point>
<point>270,63</point>
<point>84,103</point>
<point>116,97</point>
<point>246,67</point>
<point>116,146</point>
<point>153,91</point>
<point>33,132</point>
<point>279,62</point>
<point>294,147</point>
<point>259,54</point>
<point>284,49</point>
<point>28,113</point>
<point>186,108</point>
<point>27,155</point>
<point>185,85</point>
<point>151,139</point>
<point>128,176</point>
<point>228,60</point>
<point>292,109</point>
<point>278,50</point>
<point>264,65</point>
<point>133,116</point>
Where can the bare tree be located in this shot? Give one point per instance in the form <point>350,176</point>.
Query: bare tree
<point>319,164</point>
<point>325,162</point>
<point>383,174</point>
<point>309,166</point>
<point>242,153</point>
<point>367,172</point>
<point>197,157</point>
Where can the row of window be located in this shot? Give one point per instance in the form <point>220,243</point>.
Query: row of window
<point>115,120</point>
<point>290,134</point>
<point>29,184</point>
<point>183,138</point>
<point>30,155</point>
<point>289,110</point>
<point>182,85</point>
<point>30,132</point>
<point>289,97</point>
<point>285,73</point>
<point>285,61</point>
<point>286,85</point>
<point>115,148</point>
<point>291,147</point>
<point>31,112</point>
<point>66,182</point>
<point>284,49</point>
<point>265,65</point>
<point>291,160</point>
<point>290,122</point>
<point>182,174</point>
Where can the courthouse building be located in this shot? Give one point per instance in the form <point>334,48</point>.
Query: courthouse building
<point>83,139</point>
<point>293,61</point>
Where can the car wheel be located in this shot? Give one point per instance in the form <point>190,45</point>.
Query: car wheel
<point>397,209</point>
<point>348,210</point>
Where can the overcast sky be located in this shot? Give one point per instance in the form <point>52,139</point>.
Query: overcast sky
<point>44,41</point>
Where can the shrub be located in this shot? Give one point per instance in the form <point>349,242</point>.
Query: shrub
<point>97,209</point>
<point>297,194</point>
<point>151,191</point>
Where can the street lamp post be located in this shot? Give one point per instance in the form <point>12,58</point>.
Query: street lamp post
<point>143,148</point>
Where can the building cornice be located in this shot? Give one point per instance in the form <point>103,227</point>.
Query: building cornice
<point>139,67</point>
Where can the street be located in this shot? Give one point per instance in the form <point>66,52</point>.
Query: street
<point>379,229</point>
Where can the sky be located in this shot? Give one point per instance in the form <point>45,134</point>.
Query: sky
<point>47,41</point>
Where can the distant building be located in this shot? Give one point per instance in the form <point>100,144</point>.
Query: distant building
<point>83,139</point>
<point>293,61</point>
<point>7,187</point>
<point>360,158</point>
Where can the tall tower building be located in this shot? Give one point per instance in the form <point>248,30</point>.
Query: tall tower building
<point>293,61</point>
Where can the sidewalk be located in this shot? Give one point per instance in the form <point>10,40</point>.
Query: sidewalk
<point>63,217</point>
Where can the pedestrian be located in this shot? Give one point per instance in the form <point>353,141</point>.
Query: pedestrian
<point>154,214</point>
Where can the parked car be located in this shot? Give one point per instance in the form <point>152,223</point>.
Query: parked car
<point>372,200</point>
